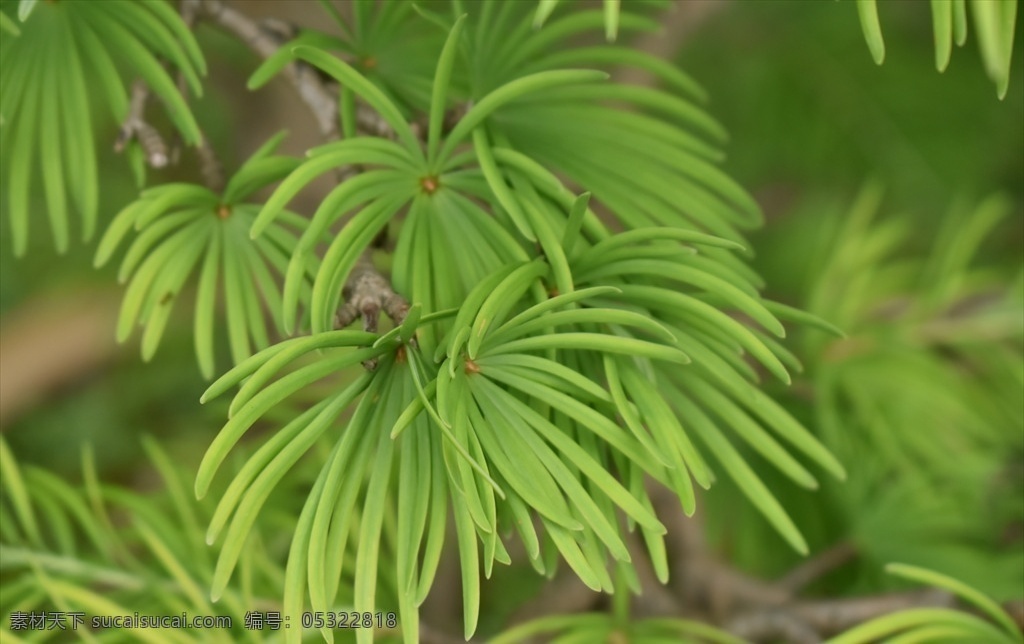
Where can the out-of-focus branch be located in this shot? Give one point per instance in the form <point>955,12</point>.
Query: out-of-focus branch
<point>772,625</point>
<point>565,594</point>
<point>818,566</point>
<point>831,616</point>
<point>210,167</point>
<point>50,341</point>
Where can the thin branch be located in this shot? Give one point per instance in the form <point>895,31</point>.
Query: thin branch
<point>190,10</point>
<point>136,128</point>
<point>210,166</point>
<point>762,611</point>
<point>654,599</point>
<point>158,153</point>
<point>698,578</point>
<point>835,615</point>
<point>772,625</point>
<point>678,24</point>
<point>52,340</point>
<point>1015,609</point>
<point>431,635</point>
<point>370,123</point>
<point>818,566</point>
<point>562,595</point>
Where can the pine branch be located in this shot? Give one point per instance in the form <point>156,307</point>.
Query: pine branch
<point>367,291</point>
<point>157,153</point>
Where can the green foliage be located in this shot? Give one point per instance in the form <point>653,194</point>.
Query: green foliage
<point>922,393</point>
<point>60,542</point>
<point>9,25</point>
<point>46,112</point>
<point>179,224</point>
<point>509,391</point>
<point>585,322</point>
<point>994,27</point>
<point>924,385</point>
<point>611,15</point>
<point>917,326</point>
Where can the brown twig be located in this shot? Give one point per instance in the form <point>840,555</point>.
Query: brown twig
<point>772,625</point>
<point>210,167</point>
<point>136,128</point>
<point>1015,609</point>
<point>703,583</point>
<point>158,153</point>
<point>654,599</point>
<point>818,566</point>
<point>834,615</point>
<point>50,341</point>
<point>431,635</point>
<point>678,23</point>
<point>762,611</point>
<point>190,10</point>
<point>562,595</point>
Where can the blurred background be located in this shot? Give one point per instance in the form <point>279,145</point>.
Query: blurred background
<point>812,121</point>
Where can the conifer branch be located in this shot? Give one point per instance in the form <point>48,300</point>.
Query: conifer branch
<point>157,153</point>
<point>367,291</point>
